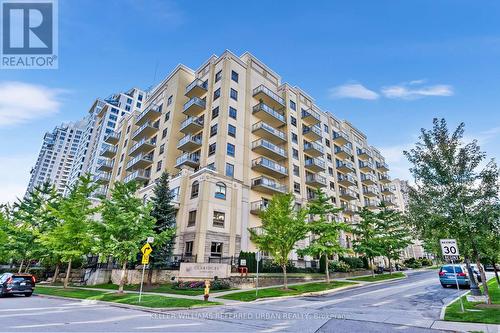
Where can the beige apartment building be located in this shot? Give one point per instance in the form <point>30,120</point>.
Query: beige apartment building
<point>232,134</point>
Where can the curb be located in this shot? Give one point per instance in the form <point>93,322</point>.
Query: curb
<point>368,283</point>
<point>443,309</point>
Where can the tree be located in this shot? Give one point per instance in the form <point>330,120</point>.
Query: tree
<point>5,228</point>
<point>164,214</point>
<point>453,195</point>
<point>325,230</point>
<point>367,240</point>
<point>71,238</point>
<point>283,226</point>
<point>126,224</point>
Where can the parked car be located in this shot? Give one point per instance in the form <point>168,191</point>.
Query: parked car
<point>476,271</point>
<point>447,275</point>
<point>489,267</point>
<point>11,283</point>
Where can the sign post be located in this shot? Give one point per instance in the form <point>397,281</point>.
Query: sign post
<point>146,251</point>
<point>257,257</point>
<point>449,248</point>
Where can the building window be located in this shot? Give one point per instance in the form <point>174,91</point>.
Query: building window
<point>295,138</point>
<point>216,94</point>
<point>195,188</point>
<point>218,76</point>
<point>213,130</point>
<point>325,128</point>
<point>293,106</point>
<point>162,149</point>
<point>296,170</point>
<point>211,149</point>
<point>220,190</point>
<point>219,218</point>
<point>164,133</point>
<point>229,170</point>
<point>234,76</point>
<point>169,100</point>
<point>215,112</point>
<point>216,249</point>
<point>231,130</point>
<point>233,94</point>
<point>295,153</point>
<point>230,149</point>
<point>233,113</point>
<point>191,218</point>
<point>158,166</point>
<point>188,249</point>
<point>332,186</point>
<point>329,157</point>
<point>330,171</point>
<point>296,187</point>
<point>293,121</point>
<point>327,142</point>
<point>167,116</point>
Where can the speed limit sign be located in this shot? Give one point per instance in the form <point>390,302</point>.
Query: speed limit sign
<point>449,247</point>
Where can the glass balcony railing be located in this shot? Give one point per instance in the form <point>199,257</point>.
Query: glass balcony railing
<point>140,158</point>
<point>319,179</point>
<point>267,163</point>
<point>263,89</point>
<point>189,158</point>
<point>146,125</point>
<point>261,107</point>
<point>196,84</point>
<point>310,162</point>
<point>268,128</point>
<point>313,146</point>
<point>268,183</point>
<point>195,139</point>
<point>138,175</point>
<point>269,146</point>
<point>192,120</point>
<point>311,130</point>
<point>195,102</point>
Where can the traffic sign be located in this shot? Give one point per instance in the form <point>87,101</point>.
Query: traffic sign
<point>145,259</point>
<point>449,247</point>
<point>146,249</point>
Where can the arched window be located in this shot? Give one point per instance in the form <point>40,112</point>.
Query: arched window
<point>220,190</point>
<point>195,188</point>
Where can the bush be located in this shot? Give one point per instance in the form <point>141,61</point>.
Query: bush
<point>425,262</point>
<point>353,262</point>
<point>339,266</point>
<point>251,261</point>
<point>214,285</point>
<point>412,263</point>
<point>269,266</point>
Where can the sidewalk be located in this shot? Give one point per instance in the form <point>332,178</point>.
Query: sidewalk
<point>465,327</point>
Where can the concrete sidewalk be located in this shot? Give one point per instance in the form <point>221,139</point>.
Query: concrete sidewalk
<point>465,327</point>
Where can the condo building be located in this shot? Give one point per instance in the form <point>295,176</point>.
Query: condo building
<point>232,134</point>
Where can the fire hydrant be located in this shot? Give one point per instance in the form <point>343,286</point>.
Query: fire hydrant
<point>207,290</point>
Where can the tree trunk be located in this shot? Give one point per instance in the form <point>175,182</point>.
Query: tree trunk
<point>123,278</point>
<point>496,272</point>
<point>484,280</point>
<point>390,268</point>
<point>285,282</point>
<point>20,267</point>
<point>68,273</point>
<point>327,269</point>
<point>371,267</point>
<point>56,274</point>
<point>27,267</point>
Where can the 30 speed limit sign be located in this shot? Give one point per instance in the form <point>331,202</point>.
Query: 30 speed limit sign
<point>449,247</point>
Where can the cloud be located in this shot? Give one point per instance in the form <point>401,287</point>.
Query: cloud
<point>415,89</point>
<point>353,90</point>
<point>17,172</point>
<point>23,102</point>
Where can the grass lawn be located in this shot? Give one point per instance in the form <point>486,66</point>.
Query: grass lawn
<point>151,301</point>
<point>162,288</point>
<point>247,296</point>
<point>476,312</point>
<point>379,277</point>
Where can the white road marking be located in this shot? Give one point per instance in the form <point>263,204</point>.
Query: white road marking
<point>382,303</point>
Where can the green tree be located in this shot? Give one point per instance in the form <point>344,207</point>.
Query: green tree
<point>5,231</point>
<point>325,229</point>
<point>367,238</point>
<point>126,224</point>
<point>453,195</point>
<point>283,226</point>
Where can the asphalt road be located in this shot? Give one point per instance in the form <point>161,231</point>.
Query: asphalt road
<point>409,305</point>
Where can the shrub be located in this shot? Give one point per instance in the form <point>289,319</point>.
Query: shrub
<point>339,266</point>
<point>353,262</point>
<point>425,262</point>
<point>412,263</point>
<point>214,285</point>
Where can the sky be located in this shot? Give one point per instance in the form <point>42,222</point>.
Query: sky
<point>389,67</point>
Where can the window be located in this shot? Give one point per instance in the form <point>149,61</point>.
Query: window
<point>329,157</point>
<point>233,112</point>
<point>327,142</point>
<point>231,130</point>
<point>230,149</point>
<point>215,112</point>
<point>213,130</point>
<point>162,149</point>
<point>218,76</point>
<point>330,171</point>
<point>325,128</point>
<point>293,106</point>
<point>164,133</point>
<point>188,249</point>
<point>218,220</point>
<point>295,153</point>
<point>191,218</point>
<point>167,116</point>
<point>293,121</point>
<point>295,138</point>
<point>195,188</point>
<point>158,166</point>
<point>233,94</point>
<point>296,170</point>
<point>139,97</point>
<point>169,100</point>
<point>212,148</point>
<point>220,190</point>
<point>216,249</point>
<point>234,76</point>
<point>296,187</point>
<point>216,94</point>
<point>229,170</point>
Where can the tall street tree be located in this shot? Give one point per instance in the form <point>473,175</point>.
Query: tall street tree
<point>367,237</point>
<point>283,225</point>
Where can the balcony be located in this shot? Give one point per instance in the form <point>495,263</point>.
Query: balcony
<point>188,159</point>
<point>364,154</point>
<point>112,138</point>
<point>382,166</point>
<point>347,194</point>
<point>388,190</point>
<point>310,117</point>
<point>269,167</point>
<point>151,113</point>
<point>312,133</point>
<point>268,132</point>
<point>389,202</point>
<point>102,178</point>
<point>192,125</point>
<point>189,143</point>
<point>267,185</point>
<point>197,88</point>
<point>140,162</point>
<point>268,115</point>
<point>370,192</point>
<point>194,106</point>
<point>349,209</point>
<point>146,130</point>
<point>343,153</point>
<point>345,167</point>
<point>105,165</point>
<point>313,149</point>
<point>109,151</point>
<point>268,149</point>
<point>372,203</point>
<point>385,179</point>
<point>143,146</point>
<point>340,138</point>
<point>264,94</point>
<point>258,206</point>
<point>366,166</point>
<point>346,180</point>
<point>368,179</point>
<point>314,164</point>
<point>140,176</point>
<point>315,180</point>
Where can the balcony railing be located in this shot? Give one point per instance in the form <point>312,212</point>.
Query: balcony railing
<point>388,190</point>
<point>340,138</point>
<point>267,131</point>
<point>142,146</point>
<point>343,152</point>
<point>265,147</point>
<point>313,149</point>
<point>372,203</point>
<point>194,106</point>
<point>268,114</point>
<point>140,161</point>
<point>346,180</point>
<point>365,166</point>
<point>267,185</point>
<point>256,207</point>
<point>311,117</point>
<point>363,154</point>
<point>316,180</point>
<point>371,191</point>
<point>345,167</point>
<point>190,159</point>
<point>148,128</point>
<point>105,165</point>
<point>347,194</point>
<point>368,179</point>
<point>382,166</point>
<point>189,142</point>
<point>109,151</point>
<point>385,179</point>
<point>311,132</point>
<point>349,209</point>
<point>152,112</point>
<point>315,164</point>
<point>112,137</point>
<point>270,97</point>
<point>196,88</point>
<point>138,175</point>
<point>102,177</point>
<point>265,165</point>
<point>192,124</point>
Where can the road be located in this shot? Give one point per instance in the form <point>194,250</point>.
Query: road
<point>410,305</point>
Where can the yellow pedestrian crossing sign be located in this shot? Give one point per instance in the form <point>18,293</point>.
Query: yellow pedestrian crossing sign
<point>146,249</point>
<point>145,259</point>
